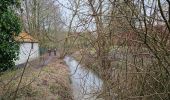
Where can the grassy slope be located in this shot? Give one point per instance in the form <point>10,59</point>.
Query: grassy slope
<point>48,83</point>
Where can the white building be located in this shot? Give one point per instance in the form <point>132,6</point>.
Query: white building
<point>29,48</point>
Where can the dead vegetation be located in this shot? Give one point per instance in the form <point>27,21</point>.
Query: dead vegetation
<point>128,46</point>
<point>50,82</point>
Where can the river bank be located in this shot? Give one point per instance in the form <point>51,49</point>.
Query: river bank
<point>90,62</point>
<point>87,61</point>
<point>50,82</point>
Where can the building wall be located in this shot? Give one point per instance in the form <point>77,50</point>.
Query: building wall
<point>25,50</point>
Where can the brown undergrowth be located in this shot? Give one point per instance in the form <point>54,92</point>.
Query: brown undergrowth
<point>137,78</point>
<point>50,82</point>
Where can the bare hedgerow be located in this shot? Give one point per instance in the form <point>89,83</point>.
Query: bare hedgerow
<point>126,42</point>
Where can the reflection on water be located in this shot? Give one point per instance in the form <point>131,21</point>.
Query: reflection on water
<point>85,84</point>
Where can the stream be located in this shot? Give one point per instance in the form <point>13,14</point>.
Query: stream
<point>85,84</point>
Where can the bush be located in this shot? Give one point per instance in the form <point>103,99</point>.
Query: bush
<point>9,28</point>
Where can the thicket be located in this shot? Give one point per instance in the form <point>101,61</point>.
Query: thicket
<point>128,46</point>
<point>9,28</point>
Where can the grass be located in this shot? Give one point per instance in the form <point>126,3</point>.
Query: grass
<point>48,83</point>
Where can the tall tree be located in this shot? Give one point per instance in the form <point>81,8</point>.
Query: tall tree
<point>42,19</point>
<point>130,48</point>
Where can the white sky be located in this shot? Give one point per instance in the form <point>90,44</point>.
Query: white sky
<point>67,13</point>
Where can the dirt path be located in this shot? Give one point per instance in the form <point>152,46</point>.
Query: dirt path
<point>45,60</point>
<point>40,62</point>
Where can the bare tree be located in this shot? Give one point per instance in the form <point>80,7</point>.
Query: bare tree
<point>42,18</point>
<point>130,43</point>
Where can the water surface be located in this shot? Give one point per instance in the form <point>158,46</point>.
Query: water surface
<point>85,84</point>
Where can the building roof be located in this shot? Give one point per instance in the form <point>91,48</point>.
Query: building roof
<point>25,37</point>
